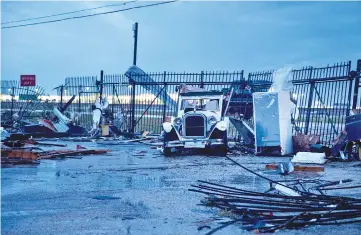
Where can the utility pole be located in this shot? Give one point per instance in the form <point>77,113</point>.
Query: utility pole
<point>135,29</point>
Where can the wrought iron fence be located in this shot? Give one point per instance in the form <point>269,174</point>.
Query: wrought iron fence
<point>23,102</point>
<point>149,110</point>
<point>356,93</point>
<point>324,96</point>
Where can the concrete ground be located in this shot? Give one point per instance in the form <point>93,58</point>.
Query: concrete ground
<point>120,193</point>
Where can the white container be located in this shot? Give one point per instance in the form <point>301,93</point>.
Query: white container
<point>272,117</point>
<point>307,157</point>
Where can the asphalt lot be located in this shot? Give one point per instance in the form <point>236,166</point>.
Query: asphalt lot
<point>120,193</point>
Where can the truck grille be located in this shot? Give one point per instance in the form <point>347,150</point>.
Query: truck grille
<point>194,125</point>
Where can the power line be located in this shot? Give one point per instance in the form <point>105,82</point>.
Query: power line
<point>84,16</point>
<point>66,13</point>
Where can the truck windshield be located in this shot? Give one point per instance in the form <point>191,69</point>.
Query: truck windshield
<point>200,104</point>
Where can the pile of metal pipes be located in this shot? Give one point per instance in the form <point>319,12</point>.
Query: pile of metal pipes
<point>267,212</point>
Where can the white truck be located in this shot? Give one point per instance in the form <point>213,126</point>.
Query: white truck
<point>200,123</point>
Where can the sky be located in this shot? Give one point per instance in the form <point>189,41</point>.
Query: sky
<point>178,37</point>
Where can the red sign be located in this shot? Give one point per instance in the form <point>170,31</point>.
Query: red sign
<point>27,80</point>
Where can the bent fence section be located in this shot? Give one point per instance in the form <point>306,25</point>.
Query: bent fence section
<point>325,96</point>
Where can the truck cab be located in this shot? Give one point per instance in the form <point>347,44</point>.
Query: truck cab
<point>199,123</point>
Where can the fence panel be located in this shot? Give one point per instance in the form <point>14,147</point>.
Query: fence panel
<point>323,97</point>
<point>13,101</point>
<point>150,109</point>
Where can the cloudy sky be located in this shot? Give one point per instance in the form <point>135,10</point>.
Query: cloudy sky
<point>181,36</point>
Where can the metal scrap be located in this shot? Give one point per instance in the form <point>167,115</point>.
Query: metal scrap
<point>292,206</point>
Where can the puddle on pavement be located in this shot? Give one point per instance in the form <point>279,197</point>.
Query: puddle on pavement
<point>105,198</point>
<point>145,181</point>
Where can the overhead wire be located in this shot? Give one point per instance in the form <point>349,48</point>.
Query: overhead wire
<point>90,15</point>
<point>67,13</point>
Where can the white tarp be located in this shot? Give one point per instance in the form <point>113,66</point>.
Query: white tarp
<point>282,80</point>
<point>4,134</point>
<point>186,88</point>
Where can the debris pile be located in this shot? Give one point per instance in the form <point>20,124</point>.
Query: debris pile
<point>267,212</point>
<point>288,204</point>
<point>30,156</point>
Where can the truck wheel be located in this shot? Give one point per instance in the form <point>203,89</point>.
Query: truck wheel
<point>221,150</point>
<point>167,151</point>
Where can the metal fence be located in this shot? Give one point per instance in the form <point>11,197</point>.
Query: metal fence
<point>148,111</point>
<point>324,96</point>
<point>356,94</point>
<point>15,100</point>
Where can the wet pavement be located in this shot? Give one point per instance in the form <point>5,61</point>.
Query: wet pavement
<point>119,193</point>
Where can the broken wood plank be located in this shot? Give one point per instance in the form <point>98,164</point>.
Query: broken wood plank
<point>20,154</point>
<point>298,168</point>
<point>58,154</point>
<point>157,144</point>
<point>12,161</point>
<point>33,142</point>
<point>135,140</point>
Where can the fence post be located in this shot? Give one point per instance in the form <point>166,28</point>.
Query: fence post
<point>12,101</point>
<point>349,91</point>
<point>113,102</point>
<point>61,96</point>
<point>357,85</point>
<point>133,106</point>
<point>202,76</point>
<point>79,101</point>
<point>165,95</point>
<point>312,87</point>
<point>101,85</point>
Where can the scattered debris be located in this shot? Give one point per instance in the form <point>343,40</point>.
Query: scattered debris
<point>245,131</point>
<point>285,168</point>
<point>12,156</point>
<point>302,143</point>
<point>140,153</point>
<point>289,208</point>
<point>298,168</point>
<point>4,133</point>
<point>67,153</point>
<point>267,213</point>
<point>33,142</point>
<point>307,157</point>
<point>286,191</point>
<point>339,143</point>
<point>79,147</point>
<point>319,148</point>
<point>204,226</point>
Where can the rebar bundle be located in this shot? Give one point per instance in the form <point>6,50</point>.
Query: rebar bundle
<point>267,212</point>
